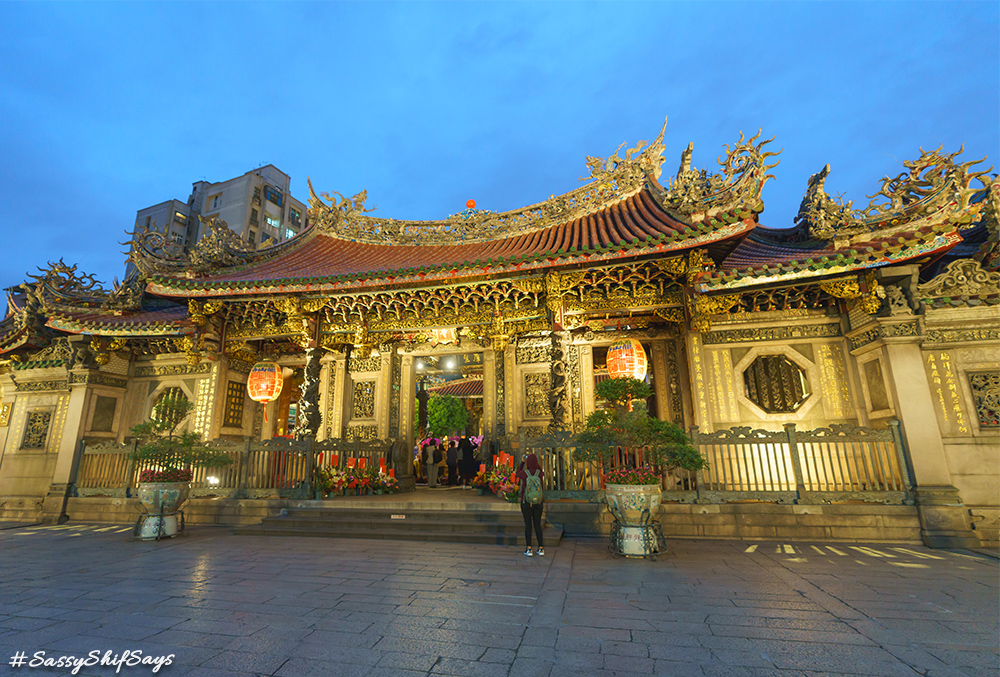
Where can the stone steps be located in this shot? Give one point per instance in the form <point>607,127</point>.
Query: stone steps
<point>471,525</point>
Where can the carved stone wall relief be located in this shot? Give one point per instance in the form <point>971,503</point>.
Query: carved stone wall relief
<point>536,395</point>
<point>364,400</point>
<point>985,388</point>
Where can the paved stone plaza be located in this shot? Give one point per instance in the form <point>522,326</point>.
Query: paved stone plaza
<point>231,605</point>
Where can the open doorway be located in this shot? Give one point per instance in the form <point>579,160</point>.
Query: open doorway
<point>448,404</point>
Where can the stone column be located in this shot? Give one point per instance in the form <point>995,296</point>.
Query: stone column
<point>658,365</point>
<point>422,399</point>
<point>944,521</point>
<point>338,375</point>
<point>54,505</point>
<point>559,394</point>
<point>698,380</point>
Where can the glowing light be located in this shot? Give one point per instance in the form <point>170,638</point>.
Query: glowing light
<point>627,359</point>
<point>264,382</point>
<point>212,480</point>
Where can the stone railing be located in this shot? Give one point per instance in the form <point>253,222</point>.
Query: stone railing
<point>839,463</point>
<point>276,468</point>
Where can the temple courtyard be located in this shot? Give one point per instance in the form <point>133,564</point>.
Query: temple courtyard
<point>224,605</point>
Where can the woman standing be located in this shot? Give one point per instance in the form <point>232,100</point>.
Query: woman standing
<point>452,459</point>
<point>529,480</point>
<point>467,460</point>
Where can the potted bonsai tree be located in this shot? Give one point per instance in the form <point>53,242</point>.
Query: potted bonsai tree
<point>634,450</point>
<point>167,457</point>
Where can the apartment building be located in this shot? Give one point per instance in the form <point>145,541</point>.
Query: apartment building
<point>257,205</point>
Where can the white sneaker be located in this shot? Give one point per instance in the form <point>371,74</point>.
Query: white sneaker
<point>528,553</point>
<point>540,552</point>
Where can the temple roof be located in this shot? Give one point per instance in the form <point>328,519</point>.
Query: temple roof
<point>637,225</point>
<point>698,228</point>
<point>924,214</point>
<point>464,388</point>
<point>622,212</point>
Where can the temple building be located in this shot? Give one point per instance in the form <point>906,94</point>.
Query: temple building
<point>850,318</point>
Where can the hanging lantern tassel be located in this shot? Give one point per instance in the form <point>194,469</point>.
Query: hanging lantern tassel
<point>264,383</point>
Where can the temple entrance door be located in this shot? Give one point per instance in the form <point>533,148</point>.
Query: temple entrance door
<point>467,375</point>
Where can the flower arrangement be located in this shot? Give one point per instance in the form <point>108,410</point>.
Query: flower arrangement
<point>173,475</point>
<point>503,483</point>
<point>481,480</point>
<point>330,479</point>
<point>627,475</point>
<point>359,478</point>
<point>387,483</point>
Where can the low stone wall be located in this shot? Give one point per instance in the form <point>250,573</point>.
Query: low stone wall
<point>222,511</point>
<point>747,521</point>
<point>986,524</point>
<point>20,508</point>
<point>756,521</point>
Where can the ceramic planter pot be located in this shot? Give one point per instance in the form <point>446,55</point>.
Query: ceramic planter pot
<point>633,503</point>
<point>161,501</point>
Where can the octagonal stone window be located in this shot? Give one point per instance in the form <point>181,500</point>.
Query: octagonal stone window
<point>776,384</point>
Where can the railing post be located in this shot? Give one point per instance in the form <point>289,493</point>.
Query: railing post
<point>309,467</point>
<point>793,451</point>
<point>130,470</point>
<point>901,456</point>
<point>244,477</point>
<point>75,470</point>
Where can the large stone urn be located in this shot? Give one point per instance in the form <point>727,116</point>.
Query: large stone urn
<point>161,500</point>
<point>635,531</point>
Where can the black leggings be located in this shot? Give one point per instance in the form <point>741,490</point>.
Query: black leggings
<point>532,514</point>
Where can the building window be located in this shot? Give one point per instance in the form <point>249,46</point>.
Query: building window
<point>776,384</point>
<point>295,216</point>
<point>235,398</point>
<point>256,196</point>
<point>272,195</point>
<point>148,220</point>
<point>215,201</point>
<point>252,237</point>
<point>289,233</point>
<point>104,414</point>
<point>254,217</point>
<point>272,221</point>
<point>986,394</point>
<point>36,432</point>
<point>180,218</point>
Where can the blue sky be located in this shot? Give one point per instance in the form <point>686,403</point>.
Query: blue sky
<point>106,108</point>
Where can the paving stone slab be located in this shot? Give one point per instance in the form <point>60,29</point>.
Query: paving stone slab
<point>296,607</point>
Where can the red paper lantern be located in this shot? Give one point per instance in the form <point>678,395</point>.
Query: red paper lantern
<point>264,382</point>
<point>471,204</point>
<point>627,359</point>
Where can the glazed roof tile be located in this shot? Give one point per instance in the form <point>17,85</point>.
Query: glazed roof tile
<point>152,322</point>
<point>470,387</point>
<point>634,226</point>
<point>760,259</point>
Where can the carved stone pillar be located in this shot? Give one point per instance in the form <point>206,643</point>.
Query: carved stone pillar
<point>308,422</point>
<point>54,505</point>
<point>944,521</point>
<point>559,393</point>
<point>422,398</point>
